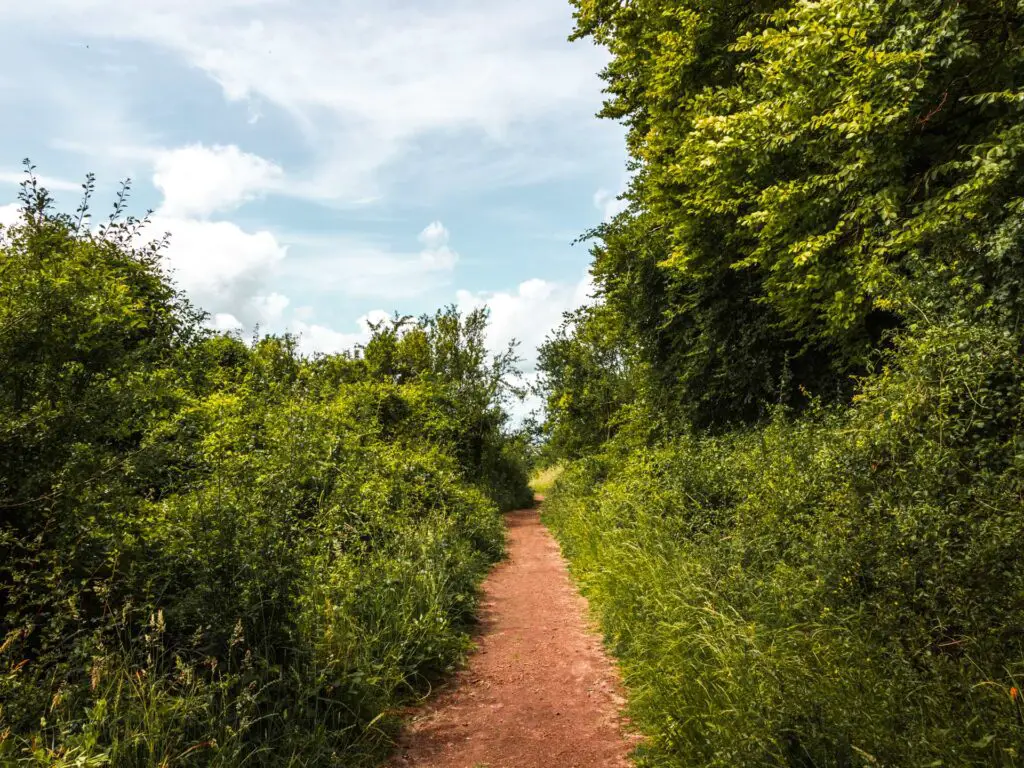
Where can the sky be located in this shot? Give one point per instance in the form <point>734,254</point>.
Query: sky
<point>321,162</point>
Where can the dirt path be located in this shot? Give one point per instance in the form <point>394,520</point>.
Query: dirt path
<point>539,692</point>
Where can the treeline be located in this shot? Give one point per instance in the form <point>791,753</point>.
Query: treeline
<point>792,421</point>
<point>217,553</point>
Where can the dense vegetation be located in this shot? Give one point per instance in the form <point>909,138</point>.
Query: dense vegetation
<point>218,553</point>
<point>794,415</point>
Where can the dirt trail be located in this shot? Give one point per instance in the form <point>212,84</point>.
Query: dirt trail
<point>539,691</point>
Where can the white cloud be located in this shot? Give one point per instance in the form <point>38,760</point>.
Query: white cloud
<point>226,322</point>
<point>231,272</point>
<point>198,180</point>
<point>10,214</point>
<point>354,268</point>
<point>395,69</point>
<point>222,267</point>
<point>50,183</point>
<point>436,254</point>
<point>528,314</point>
<point>227,270</point>
<point>435,235</point>
<point>271,308</point>
<point>361,102</point>
<point>610,204</point>
<point>315,338</point>
<point>332,265</point>
<point>365,84</point>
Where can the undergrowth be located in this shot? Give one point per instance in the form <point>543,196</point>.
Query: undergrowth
<point>841,588</point>
<point>543,480</point>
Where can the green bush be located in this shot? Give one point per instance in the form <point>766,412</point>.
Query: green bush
<point>838,589</point>
<point>217,554</point>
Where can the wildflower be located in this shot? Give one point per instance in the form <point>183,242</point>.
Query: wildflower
<point>1014,693</point>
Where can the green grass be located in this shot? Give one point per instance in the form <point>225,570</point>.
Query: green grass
<point>543,480</point>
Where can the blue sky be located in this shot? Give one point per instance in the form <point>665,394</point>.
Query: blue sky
<point>318,162</point>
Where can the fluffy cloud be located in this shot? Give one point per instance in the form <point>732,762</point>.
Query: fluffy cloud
<point>436,254</point>
<point>226,322</point>
<point>610,204</point>
<point>226,269</point>
<point>435,235</point>
<point>198,180</point>
<point>314,338</point>
<point>222,267</point>
<point>528,314</point>
<point>10,214</point>
<point>271,308</point>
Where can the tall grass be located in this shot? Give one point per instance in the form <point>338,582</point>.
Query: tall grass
<point>269,631</point>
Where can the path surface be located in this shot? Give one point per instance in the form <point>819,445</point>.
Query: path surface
<point>539,691</point>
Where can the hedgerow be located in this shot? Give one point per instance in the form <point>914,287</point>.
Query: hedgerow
<point>840,588</point>
<point>217,553</point>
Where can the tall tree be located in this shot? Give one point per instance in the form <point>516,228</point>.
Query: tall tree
<point>808,177</point>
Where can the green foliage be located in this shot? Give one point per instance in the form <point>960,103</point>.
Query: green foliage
<point>213,553</point>
<point>446,355</point>
<point>808,177</point>
<point>543,480</point>
<point>801,523</point>
<point>583,379</point>
<point>838,590</point>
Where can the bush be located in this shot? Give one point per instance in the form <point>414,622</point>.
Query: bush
<point>837,589</point>
<point>795,406</point>
<point>220,554</point>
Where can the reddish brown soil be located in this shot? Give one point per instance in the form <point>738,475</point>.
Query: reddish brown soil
<point>539,691</point>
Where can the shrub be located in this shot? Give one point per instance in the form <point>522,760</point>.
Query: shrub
<point>217,554</point>
<point>837,589</point>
